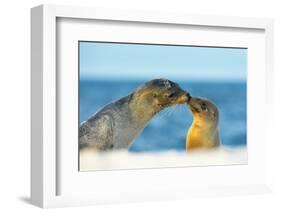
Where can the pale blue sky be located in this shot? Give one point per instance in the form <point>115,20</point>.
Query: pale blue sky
<point>114,61</point>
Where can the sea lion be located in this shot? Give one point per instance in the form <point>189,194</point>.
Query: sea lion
<point>117,124</point>
<point>204,132</point>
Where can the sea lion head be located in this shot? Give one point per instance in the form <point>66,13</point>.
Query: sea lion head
<point>164,93</point>
<point>156,95</point>
<point>204,111</point>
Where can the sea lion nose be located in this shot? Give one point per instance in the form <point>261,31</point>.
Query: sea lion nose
<point>188,97</point>
<point>187,94</point>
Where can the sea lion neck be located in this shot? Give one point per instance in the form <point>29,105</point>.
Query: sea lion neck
<point>141,107</point>
<point>202,138</point>
<point>201,123</point>
<point>202,135</point>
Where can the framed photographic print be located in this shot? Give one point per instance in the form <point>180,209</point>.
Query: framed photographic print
<point>113,93</point>
<point>146,105</point>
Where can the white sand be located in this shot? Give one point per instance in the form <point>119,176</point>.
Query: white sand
<point>90,160</point>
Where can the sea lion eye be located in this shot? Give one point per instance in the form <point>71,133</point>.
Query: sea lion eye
<point>204,107</point>
<point>172,95</point>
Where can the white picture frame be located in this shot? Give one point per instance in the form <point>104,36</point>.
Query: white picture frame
<point>44,150</point>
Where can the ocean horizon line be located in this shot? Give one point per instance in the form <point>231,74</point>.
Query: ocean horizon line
<point>176,80</point>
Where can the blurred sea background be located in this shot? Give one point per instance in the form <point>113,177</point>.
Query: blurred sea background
<point>168,129</point>
<point>109,71</point>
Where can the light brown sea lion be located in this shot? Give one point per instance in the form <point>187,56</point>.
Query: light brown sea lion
<point>117,124</point>
<point>204,132</point>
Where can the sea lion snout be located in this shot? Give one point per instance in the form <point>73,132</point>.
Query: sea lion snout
<point>183,97</point>
<point>194,105</point>
<point>179,94</point>
<point>198,104</point>
<point>188,97</point>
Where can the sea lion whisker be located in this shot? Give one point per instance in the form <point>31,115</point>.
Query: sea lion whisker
<point>170,111</point>
<point>181,108</point>
<point>166,112</point>
<point>163,113</point>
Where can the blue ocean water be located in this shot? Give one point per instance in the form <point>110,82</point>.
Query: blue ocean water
<point>167,130</point>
